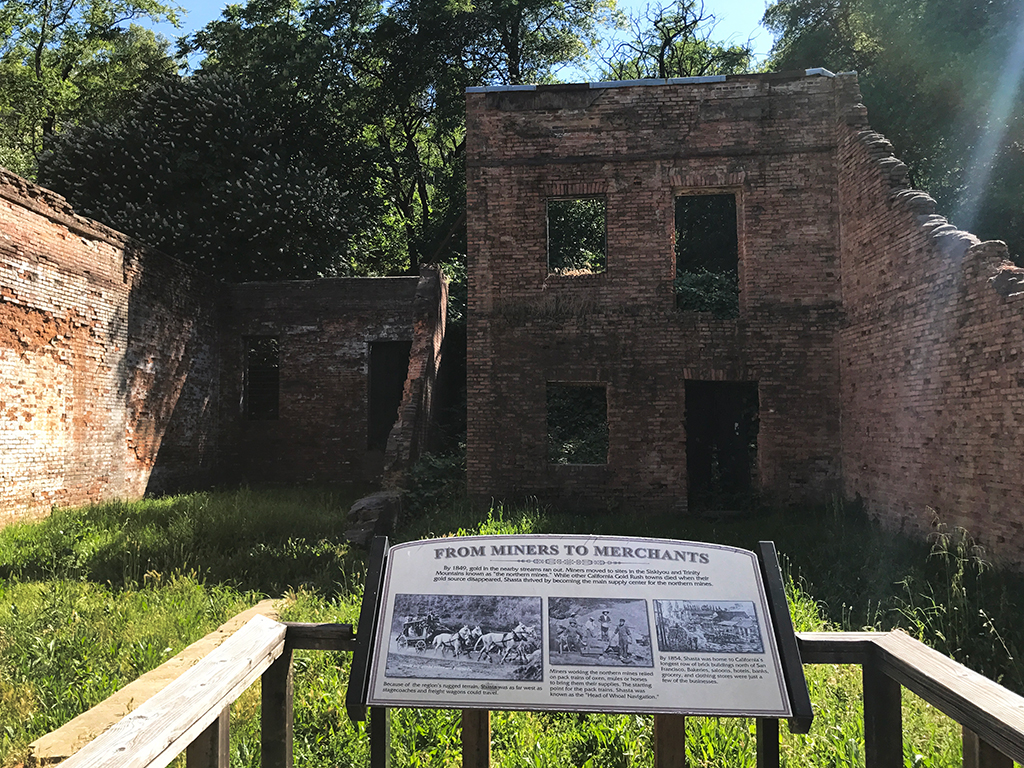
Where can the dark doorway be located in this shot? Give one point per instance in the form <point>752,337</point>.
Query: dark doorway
<point>721,444</point>
<point>262,385</point>
<point>389,366</point>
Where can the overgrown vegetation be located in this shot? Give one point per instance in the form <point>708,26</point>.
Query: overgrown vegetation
<point>576,236</point>
<point>577,421</point>
<point>269,541</point>
<point>702,291</point>
<point>707,255</point>
<point>93,597</point>
<point>65,644</point>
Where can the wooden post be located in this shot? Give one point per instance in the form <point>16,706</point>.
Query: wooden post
<point>980,754</point>
<point>380,737</point>
<point>476,738</point>
<point>211,749</point>
<point>767,742</point>
<point>669,741</point>
<point>277,689</point>
<point>883,719</point>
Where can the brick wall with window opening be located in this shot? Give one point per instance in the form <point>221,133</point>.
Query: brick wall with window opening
<point>707,254</point>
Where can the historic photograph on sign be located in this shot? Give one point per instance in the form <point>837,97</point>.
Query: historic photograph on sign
<point>567,623</point>
<point>707,626</point>
<point>589,631</point>
<point>470,637</point>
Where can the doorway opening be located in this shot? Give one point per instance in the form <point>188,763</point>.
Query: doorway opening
<point>389,367</point>
<point>261,386</point>
<point>721,444</point>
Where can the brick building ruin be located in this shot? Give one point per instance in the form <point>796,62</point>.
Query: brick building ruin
<point>875,351</point>
<point>125,372</point>
<point>870,350</point>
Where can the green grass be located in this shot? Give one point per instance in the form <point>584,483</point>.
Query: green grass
<point>270,541</point>
<point>67,645</point>
<point>93,597</point>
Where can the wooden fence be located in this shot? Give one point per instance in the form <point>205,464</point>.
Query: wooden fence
<point>191,714</point>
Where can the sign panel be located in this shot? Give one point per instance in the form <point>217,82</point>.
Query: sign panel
<point>576,623</point>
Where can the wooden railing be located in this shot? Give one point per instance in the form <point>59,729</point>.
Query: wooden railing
<point>191,714</point>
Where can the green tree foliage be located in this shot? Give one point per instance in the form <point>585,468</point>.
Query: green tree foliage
<point>577,419</point>
<point>674,40</point>
<point>67,61</point>
<point>707,254</point>
<point>391,80</point>
<point>576,236</point>
<point>197,169</point>
<point>940,80</point>
<point>524,41</point>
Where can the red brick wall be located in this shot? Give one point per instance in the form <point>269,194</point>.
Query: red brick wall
<point>325,328</point>
<point>107,348</point>
<point>932,355</point>
<point>121,369</point>
<point>411,435</point>
<point>768,139</point>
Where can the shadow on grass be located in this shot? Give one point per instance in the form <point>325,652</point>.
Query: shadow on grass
<point>269,541</point>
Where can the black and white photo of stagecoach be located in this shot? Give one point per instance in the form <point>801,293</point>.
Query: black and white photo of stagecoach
<point>468,637</point>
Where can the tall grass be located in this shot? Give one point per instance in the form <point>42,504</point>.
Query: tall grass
<point>67,645</point>
<point>90,598</point>
<point>270,541</point>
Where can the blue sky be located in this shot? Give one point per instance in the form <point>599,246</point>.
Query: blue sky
<point>737,20</point>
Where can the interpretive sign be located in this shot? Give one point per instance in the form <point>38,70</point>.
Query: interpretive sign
<point>576,623</point>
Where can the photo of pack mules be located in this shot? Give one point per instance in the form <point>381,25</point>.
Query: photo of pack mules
<point>599,632</point>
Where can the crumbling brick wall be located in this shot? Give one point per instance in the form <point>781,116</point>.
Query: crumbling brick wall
<point>122,370</point>
<point>325,329</point>
<point>102,341</point>
<point>411,435</point>
<point>932,353</point>
<point>767,139</point>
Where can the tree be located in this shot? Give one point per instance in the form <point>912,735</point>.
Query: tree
<point>369,84</point>
<point>674,41</point>
<point>196,169</point>
<point>69,61</point>
<point>525,41</point>
<point>391,79</point>
<point>936,78</point>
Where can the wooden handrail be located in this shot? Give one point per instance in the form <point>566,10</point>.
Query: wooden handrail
<point>192,711</point>
<point>988,709</point>
<point>161,728</point>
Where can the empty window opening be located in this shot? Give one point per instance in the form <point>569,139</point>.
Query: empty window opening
<point>262,377</point>
<point>707,254</point>
<point>576,236</point>
<point>577,424</point>
<point>721,444</point>
<point>389,367</point>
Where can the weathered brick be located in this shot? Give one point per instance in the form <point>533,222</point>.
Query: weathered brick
<point>886,345</point>
<point>121,368</point>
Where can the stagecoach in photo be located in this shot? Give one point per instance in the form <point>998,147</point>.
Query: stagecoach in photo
<point>418,632</point>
